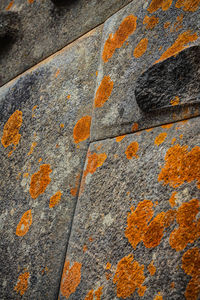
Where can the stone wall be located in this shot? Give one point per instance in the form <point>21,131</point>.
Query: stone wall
<point>100,156</point>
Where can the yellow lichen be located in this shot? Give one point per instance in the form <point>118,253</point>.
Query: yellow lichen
<point>70,279</point>
<point>191,266</point>
<point>175,101</point>
<point>34,144</point>
<point>11,129</point>
<point>172,199</point>
<point>132,150</point>
<point>181,166</point>
<point>156,4</point>
<point>81,130</point>
<point>188,5</point>
<point>55,199</point>
<point>120,138</point>
<point>22,283</point>
<point>103,92</point>
<point>151,268</point>
<point>180,44</point>
<point>126,28</point>
<point>40,181</point>
<point>129,276</point>
<point>150,22</point>
<point>160,138</point>
<point>141,48</point>
<point>24,224</point>
<point>167,126</point>
<point>189,229</point>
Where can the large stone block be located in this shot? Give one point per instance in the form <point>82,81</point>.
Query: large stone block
<point>45,128</point>
<point>136,225</point>
<point>143,47</point>
<point>45,27</point>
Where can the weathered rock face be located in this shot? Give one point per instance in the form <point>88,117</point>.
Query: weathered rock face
<point>45,127</point>
<point>136,217</point>
<point>46,27</point>
<point>100,156</point>
<point>136,38</point>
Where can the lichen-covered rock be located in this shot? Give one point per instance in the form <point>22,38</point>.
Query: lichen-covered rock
<point>136,226</point>
<point>46,27</point>
<point>42,157</point>
<point>144,38</point>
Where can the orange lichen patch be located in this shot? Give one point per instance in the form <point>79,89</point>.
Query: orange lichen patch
<point>62,125</point>
<point>160,48</point>
<point>180,44</point>
<point>40,181</point>
<point>11,152</point>
<point>167,24</point>
<point>40,159</point>
<point>172,199</point>
<point>90,239</point>
<point>22,283</point>
<point>34,107</point>
<point>134,127</point>
<point>85,248</point>
<point>149,129</point>
<point>189,229</point>
<point>175,101</point>
<point>158,297</point>
<point>178,23</point>
<point>151,268</point>
<point>150,22</point>
<point>141,48</point>
<point>154,231</point>
<point>98,293</point>
<point>129,276</point>
<point>10,5</point>
<point>103,92</point>
<point>30,1</point>
<point>173,141</point>
<point>137,222</point>
<point>181,166</point>
<point>11,129</point>
<point>126,28</point>
<point>108,266</point>
<point>139,229</point>
<point>141,290</point>
<point>34,144</point>
<point>25,175</point>
<point>120,138</point>
<point>24,223</point>
<point>131,150</point>
<point>167,126</point>
<point>55,199</point>
<point>89,295</point>
<point>70,279</point>
<point>188,5</point>
<point>181,136</point>
<point>108,275</point>
<point>81,130</point>
<point>160,138</point>
<point>94,161</point>
<point>74,190</point>
<point>156,4</point>
<point>172,285</point>
<point>68,96</point>
<point>57,73</point>
<point>191,266</point>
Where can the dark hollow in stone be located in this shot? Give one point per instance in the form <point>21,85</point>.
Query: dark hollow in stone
<point>9,28</point>
<point>176,76</point>
<point>62,3</point>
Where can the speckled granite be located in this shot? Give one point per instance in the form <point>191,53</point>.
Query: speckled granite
<point>135,231</point>
<point>136,38</point>
<point>45,127</point>
<point>44,27</point>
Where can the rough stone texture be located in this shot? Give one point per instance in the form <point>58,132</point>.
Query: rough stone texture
<point>46,27</point>
<point>115,184</point>
<point>177,75</point>
<point>171,31</point>
<point>53,96</point>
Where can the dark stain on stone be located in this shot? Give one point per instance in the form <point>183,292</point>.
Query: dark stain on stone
<point>175,77</point>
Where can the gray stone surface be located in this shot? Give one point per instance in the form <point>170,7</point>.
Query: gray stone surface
<point>43,149</point>
<point>45,27</point>
<point>163,34</point>
<point>117,178</point>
